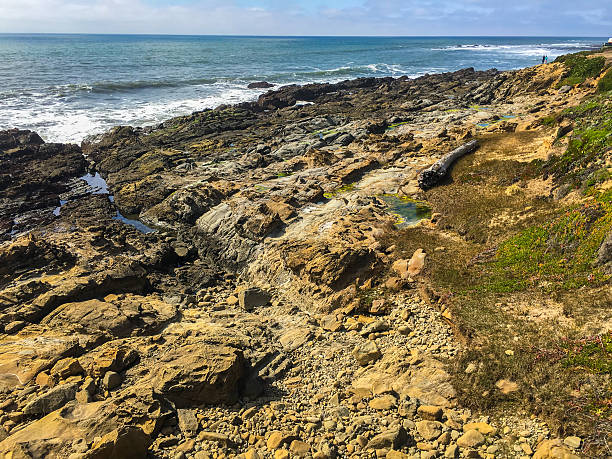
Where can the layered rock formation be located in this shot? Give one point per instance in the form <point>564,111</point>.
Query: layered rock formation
<point>242,325</point>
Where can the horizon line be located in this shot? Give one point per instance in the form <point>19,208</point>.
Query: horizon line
<point>298,36</point>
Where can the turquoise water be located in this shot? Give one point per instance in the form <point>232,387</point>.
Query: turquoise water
<point>69,86</point>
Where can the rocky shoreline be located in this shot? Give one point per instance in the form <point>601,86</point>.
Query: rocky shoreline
<point>278,309</point>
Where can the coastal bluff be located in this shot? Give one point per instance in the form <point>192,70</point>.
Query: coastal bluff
<point>268,280</point>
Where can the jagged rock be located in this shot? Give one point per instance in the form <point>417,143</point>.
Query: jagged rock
<point>604,254</point>
<point>124,443</point>
<point>111,380</point>
<point>22,358</point>
<point>198,373</point>
<point>429,430</point>
<point>260,85</point>
<point>366,353</point>
<point>395,438</point>
<point>253,297</point>
<point>66,368</point>
<point>188,423</point>
<point>553,449</point>
<point>51,400</point>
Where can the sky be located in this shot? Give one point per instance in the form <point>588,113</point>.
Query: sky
<point>310,17</point>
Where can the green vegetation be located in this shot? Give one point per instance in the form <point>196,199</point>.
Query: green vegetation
<point>580,67</point>
<point>405,210</point>
<point>340,190</point>
<point>584,162</point>
<point>523,275</point>
<point>605,84</point>
<point>556,255</point>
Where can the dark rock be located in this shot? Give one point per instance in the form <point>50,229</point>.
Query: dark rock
<point>260,85</point>
<point>252,298</point>
<point>111,380</point>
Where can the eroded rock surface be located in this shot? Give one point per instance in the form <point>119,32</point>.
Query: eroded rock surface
<point>243,325</point>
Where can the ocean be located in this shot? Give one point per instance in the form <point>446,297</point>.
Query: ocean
<point>67,87</point>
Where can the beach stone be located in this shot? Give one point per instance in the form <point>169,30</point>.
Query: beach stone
<point>573,442</point>
<point>451,452</point>
<point>331,323</point>
<point>553,449</point>
<point>278,438</point>
<point>299,448</point>
<point>366,353</point>
<point>429,430</point>
<point>471,439</point>
<point>393,454</point>
<point>187,421</point>
<point>430,412</point>
<point>281,454</point>
<point>220,438</point>
<point>481,427</point>
<point>395,438</point>
<point>111,380</point>
<point>386,402</point>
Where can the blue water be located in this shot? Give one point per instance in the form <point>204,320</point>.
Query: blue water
<point>68,86</point>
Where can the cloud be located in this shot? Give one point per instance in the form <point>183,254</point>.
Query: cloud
<point>308,17</point>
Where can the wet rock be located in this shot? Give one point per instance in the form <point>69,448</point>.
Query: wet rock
<point>260,85</point>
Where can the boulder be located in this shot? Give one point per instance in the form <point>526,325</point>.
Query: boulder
<point>395,438</point>
<point>253,297</point>
<point>429,430</point>
<point>197,373</point>
<point>471,439</point>
<point>366,353</point>
<point>553,449</point>
<point>51,400</point>
<point>111,380</point>
<point>260,85</point>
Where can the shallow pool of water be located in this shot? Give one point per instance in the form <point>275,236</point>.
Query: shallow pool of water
<point>406,211</point>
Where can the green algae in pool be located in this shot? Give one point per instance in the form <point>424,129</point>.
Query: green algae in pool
<point>405,210</point>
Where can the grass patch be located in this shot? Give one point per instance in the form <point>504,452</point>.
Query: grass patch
<point>605,84</point>
<point>589,145</point>
<point>521,276</point>
<point>580,67</point>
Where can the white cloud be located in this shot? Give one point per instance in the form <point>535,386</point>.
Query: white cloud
<point>293,17</point>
